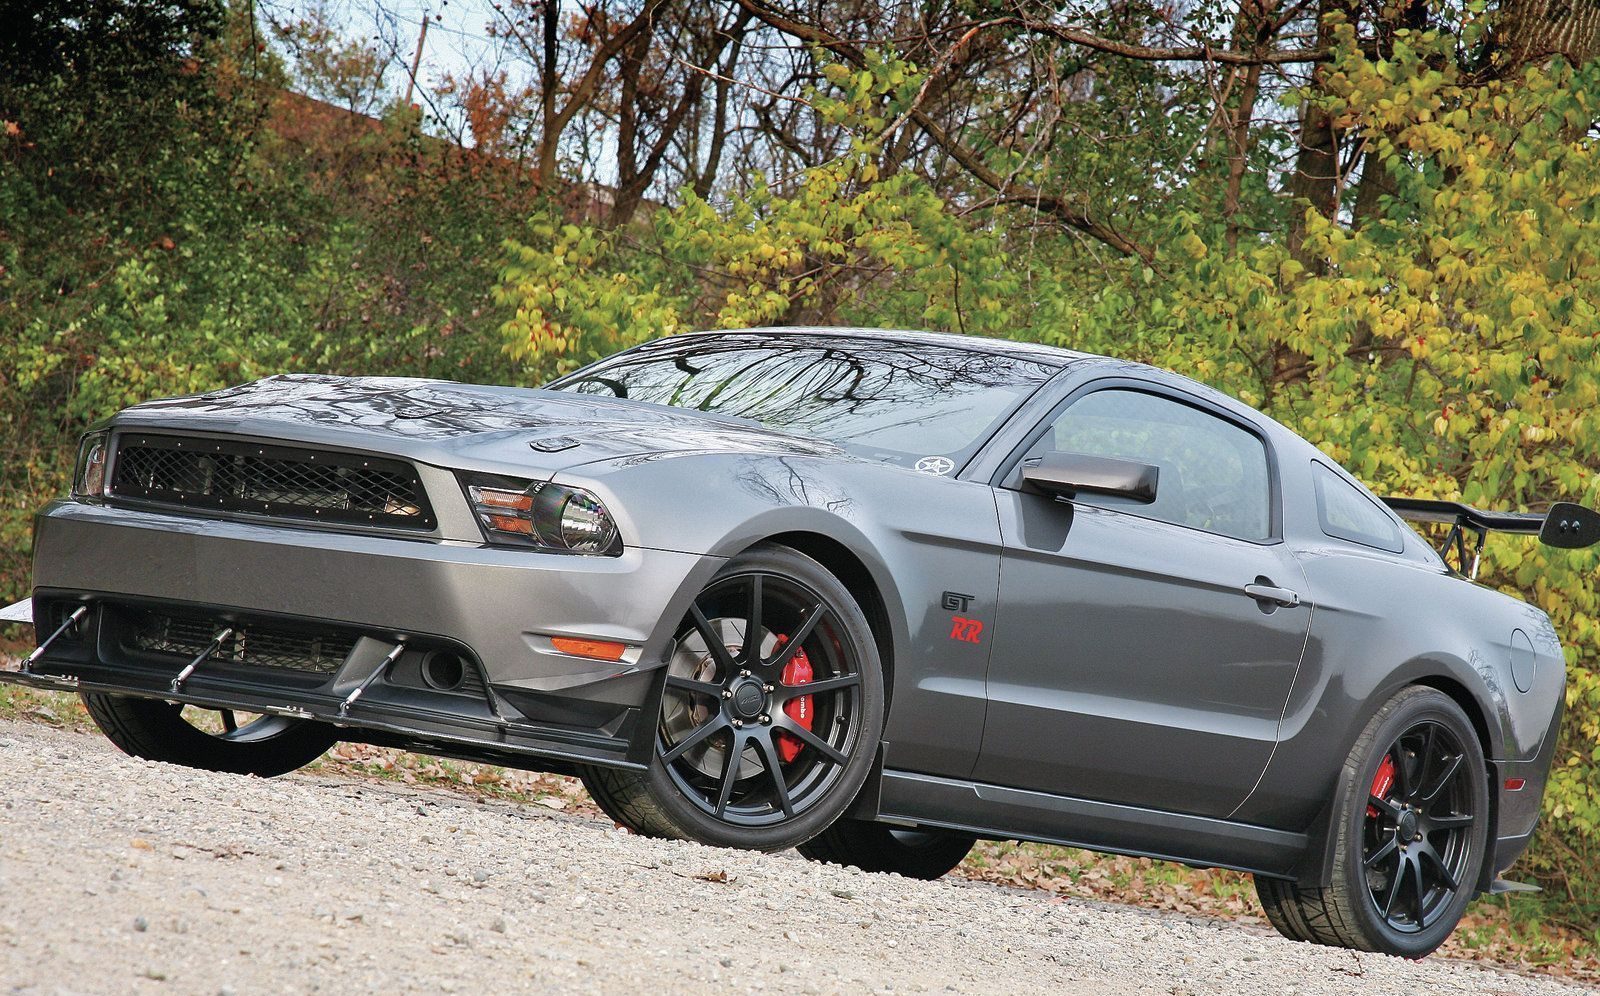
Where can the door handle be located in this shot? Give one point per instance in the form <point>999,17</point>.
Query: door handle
<point>1277,596</point>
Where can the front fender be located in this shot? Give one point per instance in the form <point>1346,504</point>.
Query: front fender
<point>917,537</point>
<point>716,505</point>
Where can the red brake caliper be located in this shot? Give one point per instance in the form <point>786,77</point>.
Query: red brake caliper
<point>796,672</point>
<point>1382,782</point>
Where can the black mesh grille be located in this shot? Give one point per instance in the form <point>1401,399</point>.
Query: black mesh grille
<point>236,476</point>
<point>251,644</point>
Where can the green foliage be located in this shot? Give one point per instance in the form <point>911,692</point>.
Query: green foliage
<point>329,66</point>
<point>101,89</point>
<point>164,230</point>
<point>569,302</point>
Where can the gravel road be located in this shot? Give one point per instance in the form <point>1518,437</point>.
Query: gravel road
<point>121,876</point>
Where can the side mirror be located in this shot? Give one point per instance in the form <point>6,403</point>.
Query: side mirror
<point>1570,526</point>
<point>1064,475</point>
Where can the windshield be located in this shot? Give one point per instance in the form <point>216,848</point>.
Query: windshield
<point>917,405</point>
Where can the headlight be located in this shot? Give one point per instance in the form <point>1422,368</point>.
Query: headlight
<point>89,477</point>
<point>548,516</point>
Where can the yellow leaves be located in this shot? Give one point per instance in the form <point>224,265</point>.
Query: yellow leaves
<point>1417,279</point>
<point>1532,434</point>
<point>1523,307</point>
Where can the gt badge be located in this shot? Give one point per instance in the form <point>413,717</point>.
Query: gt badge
<point>954,601</point>
<point>966,630</point>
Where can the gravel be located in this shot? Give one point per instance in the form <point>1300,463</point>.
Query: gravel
<point>122,876</point>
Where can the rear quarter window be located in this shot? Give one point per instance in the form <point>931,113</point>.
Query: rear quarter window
<point>1348,514</point>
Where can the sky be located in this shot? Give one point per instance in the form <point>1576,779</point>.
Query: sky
<point>457,44</point>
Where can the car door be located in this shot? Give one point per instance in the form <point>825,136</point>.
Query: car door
<point>1143,653</point>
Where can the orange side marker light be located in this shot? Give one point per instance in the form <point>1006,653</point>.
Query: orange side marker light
<point>600,650</point>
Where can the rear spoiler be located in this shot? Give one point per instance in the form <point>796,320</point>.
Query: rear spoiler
<point>1567,525</point>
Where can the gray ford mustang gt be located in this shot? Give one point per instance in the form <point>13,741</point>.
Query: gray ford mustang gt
<point>868,594</point>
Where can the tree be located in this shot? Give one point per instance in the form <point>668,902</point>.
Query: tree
<point>1535,31</point>
<point>329,66</point>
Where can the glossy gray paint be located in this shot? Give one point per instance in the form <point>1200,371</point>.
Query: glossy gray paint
<point>1123,668</point>
<point>465,591</point>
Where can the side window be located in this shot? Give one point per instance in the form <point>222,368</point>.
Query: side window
<point>1213,474</point>
<point>1349,514</point>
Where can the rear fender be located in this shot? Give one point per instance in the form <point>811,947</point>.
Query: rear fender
<point>1316,871</point>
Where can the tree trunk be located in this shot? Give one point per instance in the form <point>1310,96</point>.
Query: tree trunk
<point>1315,180</point>
<point>1375,182</point>
<point>629,188</point>
<point>1253,30</point>
<point>707,176</point>
<point>549,84</point>
<point>1537,30</point>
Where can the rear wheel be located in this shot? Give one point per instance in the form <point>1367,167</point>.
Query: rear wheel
<point>771,713</point>
<point>1410,840</point>
<point>879,847</point>
<point>215,740</point>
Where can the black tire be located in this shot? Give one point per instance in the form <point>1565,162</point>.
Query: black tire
<point>158,731</point>
<point>731,767</point>
<point>1407,863</point>
<point>880,847</point>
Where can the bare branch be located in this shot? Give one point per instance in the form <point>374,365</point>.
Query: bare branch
<point>1186,53</point>
<point>1069,212</point>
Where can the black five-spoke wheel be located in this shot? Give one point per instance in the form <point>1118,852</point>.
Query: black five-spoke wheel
<point>774,695</point>
<point>213,739</point>
<point>1418,828</point>
<point>880,847</point>
<point>770,711</point>
<point>1410,835</point>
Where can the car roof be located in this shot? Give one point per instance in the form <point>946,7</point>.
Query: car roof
<point>1035,351</point>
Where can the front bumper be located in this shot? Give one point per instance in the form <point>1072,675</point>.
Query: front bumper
<point>495,608</point>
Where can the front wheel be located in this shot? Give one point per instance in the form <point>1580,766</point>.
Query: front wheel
<point>214,740</point>
<point>880,847</point>
<point>1409,841</point>
<point>770,716</point>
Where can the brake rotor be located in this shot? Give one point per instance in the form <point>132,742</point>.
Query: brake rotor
<point>683,714</point>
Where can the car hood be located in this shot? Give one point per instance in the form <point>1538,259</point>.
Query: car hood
<point>463,426</point>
